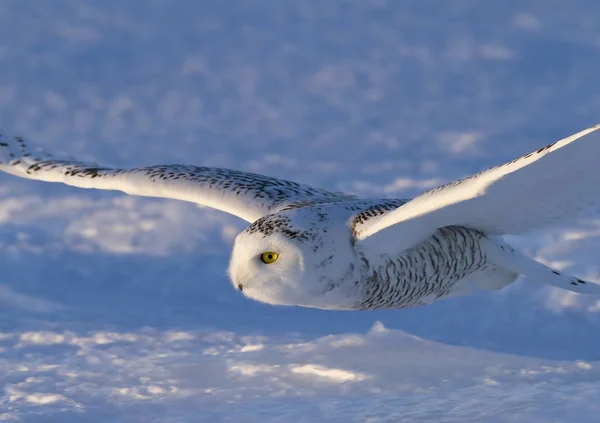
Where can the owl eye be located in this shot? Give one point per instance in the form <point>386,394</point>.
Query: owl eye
<point>269,257</point>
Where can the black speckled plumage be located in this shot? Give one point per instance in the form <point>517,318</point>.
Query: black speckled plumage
<point>354,253</point>
<point>426,272</point>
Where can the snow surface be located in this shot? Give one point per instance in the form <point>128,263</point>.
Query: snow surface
<point>117,309</point>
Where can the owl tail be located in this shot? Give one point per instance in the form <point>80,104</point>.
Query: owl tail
<point>506,264</point>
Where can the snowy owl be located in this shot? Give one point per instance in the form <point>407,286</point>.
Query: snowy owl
<point>317,248</point>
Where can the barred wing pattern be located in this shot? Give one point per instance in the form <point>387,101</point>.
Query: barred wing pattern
<point>246,195</point>
<point>534,191</point>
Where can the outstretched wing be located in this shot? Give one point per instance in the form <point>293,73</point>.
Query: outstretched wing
<point>558,181</point>
<point>246,195</point>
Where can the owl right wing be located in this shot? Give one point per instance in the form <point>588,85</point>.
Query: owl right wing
<point>246,195</point>
<point>555,182</point>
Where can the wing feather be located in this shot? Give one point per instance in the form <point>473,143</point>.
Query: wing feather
<point>560,180</point>
<point>246,195</point>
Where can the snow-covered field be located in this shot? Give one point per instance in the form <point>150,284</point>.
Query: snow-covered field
<point>117,309</point>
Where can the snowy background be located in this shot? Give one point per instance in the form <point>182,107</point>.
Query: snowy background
<point>117,309</point>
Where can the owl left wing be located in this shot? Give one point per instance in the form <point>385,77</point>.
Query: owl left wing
<point>246,195</point>
<point>558,181</point>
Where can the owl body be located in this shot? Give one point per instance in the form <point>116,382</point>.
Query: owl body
<point>326,262</point>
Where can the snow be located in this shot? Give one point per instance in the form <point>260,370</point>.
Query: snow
<point>118,309</point>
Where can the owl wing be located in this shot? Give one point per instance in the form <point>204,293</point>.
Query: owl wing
<point>558,181</point>
<point>246,195</point>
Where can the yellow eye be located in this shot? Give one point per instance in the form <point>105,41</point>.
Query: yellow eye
<point>269,257</point>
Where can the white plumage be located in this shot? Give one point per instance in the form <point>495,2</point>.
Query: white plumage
<point>316,248</point>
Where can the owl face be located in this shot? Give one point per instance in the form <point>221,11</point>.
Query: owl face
<point>270,269</point>
<point>284,259</point>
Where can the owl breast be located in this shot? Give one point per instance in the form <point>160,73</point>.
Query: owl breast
<point>424,273</point>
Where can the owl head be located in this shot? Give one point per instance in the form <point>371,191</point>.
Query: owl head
<point>302,256</point>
